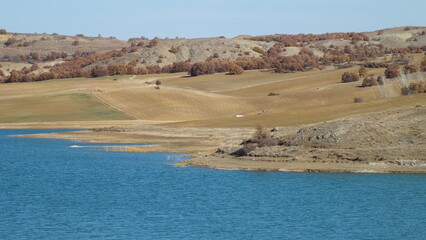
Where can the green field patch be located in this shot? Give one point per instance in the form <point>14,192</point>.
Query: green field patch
<point>65,107</point>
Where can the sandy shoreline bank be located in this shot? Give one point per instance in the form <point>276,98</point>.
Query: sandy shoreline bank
<point>281,166</point>
<point>385,142</point>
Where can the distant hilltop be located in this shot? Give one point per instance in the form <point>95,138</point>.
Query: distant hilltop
<point>59,56</point>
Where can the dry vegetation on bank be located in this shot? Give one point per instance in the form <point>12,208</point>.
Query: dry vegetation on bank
<point>305,79</point>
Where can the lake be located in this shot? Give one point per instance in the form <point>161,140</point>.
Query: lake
<point>51,191</point>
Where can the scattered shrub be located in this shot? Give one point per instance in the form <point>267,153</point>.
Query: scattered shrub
<point>142,71</point>
<point>183,66</point>
<point>423,65</point>
<point>381,80</point>
<point>392,71</point>
<point>10,41</point>
<point>273,94</point>
<point>370,81</point>
<point>158,82</point>
<point>174,50</point>
<point>75,43</point>
<point>358,100</point>
<point>3,31</point>
<point>380,32</point>
<point>199,68</point>
<point>410,69</point>
<point>215,55</point>
<point>375,65</point>
<point>414,87</point>
<point>34,67</point>
<point>234,69</point>
<point>99,71</point>
<point>245,150</point>
<point>362,71</point>
<point>140,44</point>
<point>262,137</point>
<point>117,69</point>
<point>153,43</point>
<point>349,77</point>
<point>288,40</point>
<point>259,50</point>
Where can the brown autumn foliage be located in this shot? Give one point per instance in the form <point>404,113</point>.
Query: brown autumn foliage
<point>423,65</point>
<point>140,44</point>
<point>305,60</point>
<point>99,71</point>
<point>80,65</point>
<point>25,70</point>
<point>262,137</point>
<point>34,67</point>
<point>392,71</point>
<point>117,69</point>
<point>153,43</point>
<point>35,56</point>
<point>234,69</point>
<point>375,65</point>
<point>288,40</point>
<point>142,71</point>
<point>362,71</point>
<point>349,77</point>
<point>10,41</point>
<point>15,76</point>
<point>55,55</point>
<point>414,87</point>
<point>153,69</point>
<point>199,68</point>
<point>183,66</point>
<point>410,69</point>
<point>370,81</point>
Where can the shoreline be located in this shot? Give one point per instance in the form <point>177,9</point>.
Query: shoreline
<point>202,157</point>
<point>234,164</point>
<point>382,142</point>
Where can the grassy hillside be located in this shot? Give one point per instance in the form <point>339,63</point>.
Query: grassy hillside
<point>207,101</point>
<point>66,107</point>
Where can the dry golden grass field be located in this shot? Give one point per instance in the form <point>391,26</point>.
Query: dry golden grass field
<point>203,101</point>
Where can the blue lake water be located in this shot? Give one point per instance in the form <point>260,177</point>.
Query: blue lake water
<point>51,191</point>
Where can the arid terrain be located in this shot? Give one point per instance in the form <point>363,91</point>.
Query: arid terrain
<point>317,122</point>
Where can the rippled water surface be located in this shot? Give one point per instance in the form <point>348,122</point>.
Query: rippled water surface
<point>51,191</point>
